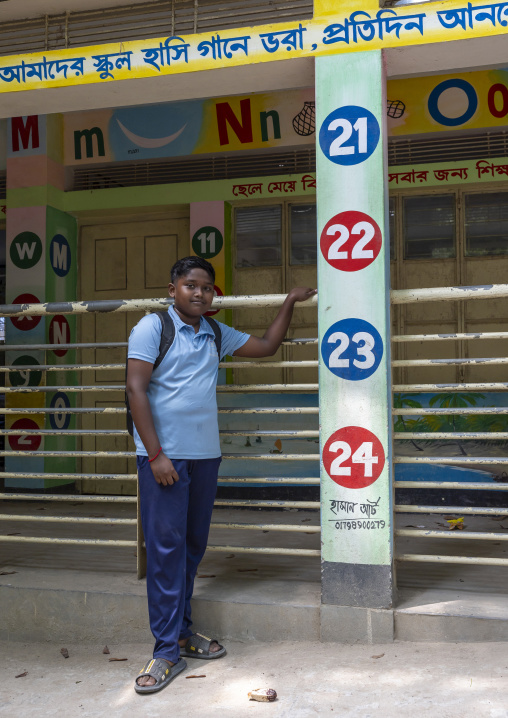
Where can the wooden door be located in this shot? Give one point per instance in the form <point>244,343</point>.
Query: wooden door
<point>127,260</point>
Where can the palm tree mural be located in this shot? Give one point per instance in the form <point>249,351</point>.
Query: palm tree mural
<point>450,422</point>
<point>400,401</point>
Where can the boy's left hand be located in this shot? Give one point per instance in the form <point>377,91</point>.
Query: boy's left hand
<point>300,294</point>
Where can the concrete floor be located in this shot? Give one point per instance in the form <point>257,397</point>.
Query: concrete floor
<point>86,592</point>
<point>311,679</point>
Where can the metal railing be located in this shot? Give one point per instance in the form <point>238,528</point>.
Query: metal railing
<point>413,296</point>
<point>289,458</point>
<point>397,297</point>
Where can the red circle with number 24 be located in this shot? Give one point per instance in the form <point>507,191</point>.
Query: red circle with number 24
<point>353,457</point>
<point>350,241</point>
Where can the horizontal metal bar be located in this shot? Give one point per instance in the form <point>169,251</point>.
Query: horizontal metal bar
<point>476,386</point>
<point>104,345</point>
<point>235,388</point>
<point>70,345</point>
<point>133,477</point>
<point>297,364</point>
<point>132,454</point>
<point>494,460</point>
<point>399,338</point>
<point>69,519</point>
<point>475,560</point>
<point>477,485</point>
<point>105,543</point>
<point>63,410</point>
<point>283,433</point>
<point>28,475</point>
<point>265,550</point>
<point>60,367</point>
<point>118,410</point>
<point>450,362</point>
<point>253,301</point>
<point>448,435</point>
<point>269,480</point>
<point>221,388</point>
<point>440,294</point>
<point>426,411</point>
<point>272,410</point>
<point>67,389</point>
<point>269,527</point>
<point>267,504</point>
<point>71,498</point>
<point>455,535</point>
<point>460,510</point>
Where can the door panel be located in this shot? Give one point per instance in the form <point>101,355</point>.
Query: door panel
<point>128,260</point>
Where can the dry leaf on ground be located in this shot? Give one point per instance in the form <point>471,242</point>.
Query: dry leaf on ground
<point>118,659</point>
<point>21,675</point>
<point>379,656</point>
<point>105,650</point>
<point>64,652</point>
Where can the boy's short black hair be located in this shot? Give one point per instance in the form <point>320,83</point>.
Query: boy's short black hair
<point>184,266</point>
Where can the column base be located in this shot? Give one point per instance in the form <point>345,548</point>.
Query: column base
<point>362,585</point>
<point>346,624</point>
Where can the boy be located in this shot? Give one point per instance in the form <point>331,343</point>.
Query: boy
<point>174,410</point>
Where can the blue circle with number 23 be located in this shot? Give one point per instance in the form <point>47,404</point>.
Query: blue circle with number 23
<point>349,135</point>
<point>352,349</point>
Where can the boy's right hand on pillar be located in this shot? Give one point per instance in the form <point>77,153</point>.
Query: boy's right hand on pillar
<point>163,470</point>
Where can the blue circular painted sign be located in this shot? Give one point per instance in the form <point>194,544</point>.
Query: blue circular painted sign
<point>349,135</point>
<point>60,421</point>
<point>352,349</point>
<point>60,255</point>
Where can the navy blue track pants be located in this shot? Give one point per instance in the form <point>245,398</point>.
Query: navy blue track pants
<point>176,521</point>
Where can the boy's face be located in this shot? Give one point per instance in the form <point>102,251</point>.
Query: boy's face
<point>193,294</point>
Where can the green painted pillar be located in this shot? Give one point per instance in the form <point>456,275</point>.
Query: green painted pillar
<point>354,340</point>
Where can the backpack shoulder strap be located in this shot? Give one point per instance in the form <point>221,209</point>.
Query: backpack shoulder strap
<point>217,335</point>
<point>167,336</point>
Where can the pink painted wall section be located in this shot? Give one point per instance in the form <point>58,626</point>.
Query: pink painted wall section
<point>206,213</point>
<point>35,171</point>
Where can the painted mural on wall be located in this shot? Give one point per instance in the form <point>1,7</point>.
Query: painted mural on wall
<point>367,28</point>
<point>468,100</point>
<point>463,446</point>
<point>195,127</point>
<point>472,100</point>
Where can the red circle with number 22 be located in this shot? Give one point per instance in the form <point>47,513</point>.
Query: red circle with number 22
<point>353,457</point>
<point>350,241</point>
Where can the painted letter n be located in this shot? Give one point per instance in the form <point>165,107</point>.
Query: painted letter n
<point>225,115</point>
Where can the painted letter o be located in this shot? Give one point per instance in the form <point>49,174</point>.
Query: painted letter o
<point>446,85</point>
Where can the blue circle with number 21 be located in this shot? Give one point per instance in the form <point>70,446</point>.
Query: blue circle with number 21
<point>349,135</point>
<point>352,349</point>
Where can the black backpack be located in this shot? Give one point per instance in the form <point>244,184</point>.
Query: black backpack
<point>167,337</point>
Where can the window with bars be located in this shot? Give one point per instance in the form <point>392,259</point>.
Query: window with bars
<point>429,230</point>
<point>486,224</point>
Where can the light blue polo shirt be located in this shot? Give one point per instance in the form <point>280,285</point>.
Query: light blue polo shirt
<point>182,388</point>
